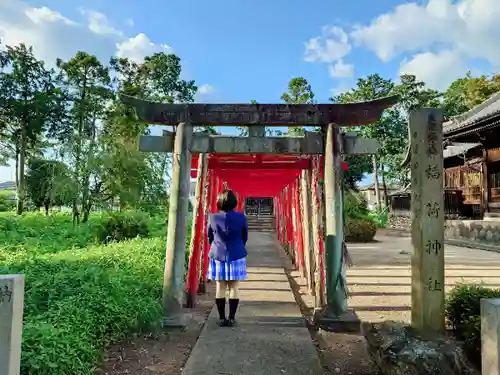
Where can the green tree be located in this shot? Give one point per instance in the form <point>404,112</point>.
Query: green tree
<point>49,183</point>
<point>87,82</point>
<point>163,73</point>
<point>28,97</point>
<point>369,88</point>
<point>135,178</point>
<point>467,92</point>
<point>299,92</point>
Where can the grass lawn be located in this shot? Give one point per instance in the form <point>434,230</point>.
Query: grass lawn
<point>80,295</point>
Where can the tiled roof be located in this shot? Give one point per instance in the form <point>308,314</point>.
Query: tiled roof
<point>372,186</point>
<point>483,111</point>
<point>458,148</point>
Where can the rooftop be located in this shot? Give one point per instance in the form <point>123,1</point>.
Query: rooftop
<point>485,111</point>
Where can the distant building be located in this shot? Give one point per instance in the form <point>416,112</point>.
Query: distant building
<point>8,185</point>
<point>368,192</point>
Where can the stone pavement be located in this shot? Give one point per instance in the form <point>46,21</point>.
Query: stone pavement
<point>271,337</point>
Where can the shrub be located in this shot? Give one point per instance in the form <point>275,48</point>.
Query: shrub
<point>463,313</point>
<point>123,226</point>
<point>79,296</point>
<point>359,230</point>
<point>355,205</point>
<point>7,202</point>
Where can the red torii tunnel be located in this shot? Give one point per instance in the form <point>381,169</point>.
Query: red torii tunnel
<point>294,183</point>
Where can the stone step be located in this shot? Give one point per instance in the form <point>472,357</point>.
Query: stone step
<point>491,216</point>
<point>260,224</point>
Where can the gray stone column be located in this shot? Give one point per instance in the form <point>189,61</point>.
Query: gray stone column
<point>427,212</point>
<point>490,336</point>
<point>11,323</point>
<point>173,284</point>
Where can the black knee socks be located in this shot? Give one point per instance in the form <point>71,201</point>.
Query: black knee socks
<point>233,307</point>
<point>221,307</point>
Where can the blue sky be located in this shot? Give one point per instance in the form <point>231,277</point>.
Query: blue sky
<point>239,50</point>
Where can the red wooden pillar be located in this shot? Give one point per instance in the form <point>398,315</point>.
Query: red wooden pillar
<point>300,238</point>
<point>207,196</point>
<point>289,223</point>
<point>317,232</point>
<point>278,217</point>
<point>195,246</point>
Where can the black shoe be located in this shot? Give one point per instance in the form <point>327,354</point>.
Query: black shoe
<point>233,307</point>
<point>231,322</point>
<point>223,322</point>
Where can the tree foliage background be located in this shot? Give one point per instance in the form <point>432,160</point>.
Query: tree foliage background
<point>75,144</point>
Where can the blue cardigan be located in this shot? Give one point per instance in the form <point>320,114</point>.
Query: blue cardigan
<point>227,236</point>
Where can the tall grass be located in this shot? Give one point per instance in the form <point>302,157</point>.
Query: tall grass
<point>80,295</point>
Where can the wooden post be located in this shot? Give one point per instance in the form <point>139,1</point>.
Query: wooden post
<point>316,232</point>
<point>485,183</point>
<point>291,197</point>
<point>196,242</point>
<point>207,194</point>
<point>306,220</point>
<point>177,227</point>
<point>335,316</point>
<point>300,232</point>
<point>375,183</point>
<point>427,205</point>
<point>11,323</point>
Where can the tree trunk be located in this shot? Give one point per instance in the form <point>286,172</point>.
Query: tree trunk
<point>384,184</point>
<point>20,176</point>
<point>375,182</point>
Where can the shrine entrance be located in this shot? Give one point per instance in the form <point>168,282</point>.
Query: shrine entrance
<point>308,214</point>
<point>259,206</point>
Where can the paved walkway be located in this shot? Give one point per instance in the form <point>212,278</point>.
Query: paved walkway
<point>271,337</point>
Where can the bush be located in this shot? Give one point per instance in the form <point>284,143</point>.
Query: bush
<point>79,296</point>
<point>359,230</point>
<point>355,205</point>
<point>123,226</point>
<point>463,313</point>
<point>7,202</point>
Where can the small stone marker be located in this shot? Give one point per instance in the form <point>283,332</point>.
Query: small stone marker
<point>490,336</point>
<point>11,323</point>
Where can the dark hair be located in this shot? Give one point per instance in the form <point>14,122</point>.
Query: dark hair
<point>226,200</point>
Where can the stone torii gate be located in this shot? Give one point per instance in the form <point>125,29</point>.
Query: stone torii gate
<point>331,143</point>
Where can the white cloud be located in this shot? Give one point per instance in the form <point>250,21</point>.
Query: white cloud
<point>205,93</point>
<point>437,70</point>
<point>53,35</point>
<point>330,46</point>
<point>469,27</point>
<point>205,89</point>
<point>99,24</point>
<point>340,89</point>
<point>341,70</point>
<point>138,47</point>
<point>438,38</point>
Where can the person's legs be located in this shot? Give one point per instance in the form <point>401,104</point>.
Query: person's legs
<point>220,299</point>
<point>234,299</point>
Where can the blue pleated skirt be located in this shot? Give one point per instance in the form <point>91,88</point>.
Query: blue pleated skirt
<point>227,271</point>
